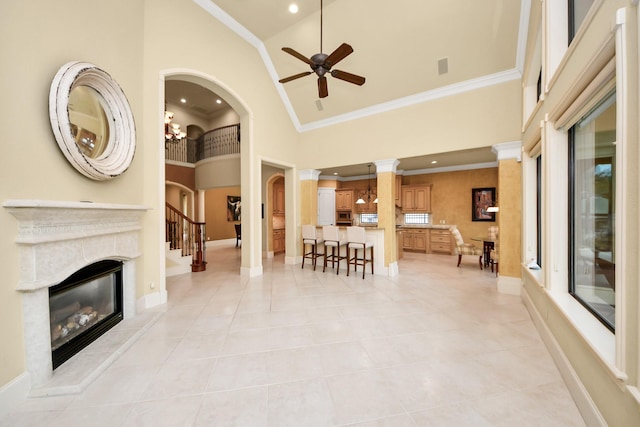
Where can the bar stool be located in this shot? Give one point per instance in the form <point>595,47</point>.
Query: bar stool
<point>309,237</point>
<point>331,236</point>
<point>356,240</point>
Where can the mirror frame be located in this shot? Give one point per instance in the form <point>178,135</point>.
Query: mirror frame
<point>121,145</point>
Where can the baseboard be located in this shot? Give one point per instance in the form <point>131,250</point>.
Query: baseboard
<point>393,269</point>
<point>151,300</point>
<point>581,397</point>
<point>292,260</point>
<point>251,271</point>
<point>14,392</point>
<point>509,285</point>
<point>221,242</point>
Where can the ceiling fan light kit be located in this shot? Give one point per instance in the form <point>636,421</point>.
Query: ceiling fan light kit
<point>321,64</point>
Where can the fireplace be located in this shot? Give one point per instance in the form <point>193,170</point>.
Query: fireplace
<point>83,307</point>
<point>58,240</point>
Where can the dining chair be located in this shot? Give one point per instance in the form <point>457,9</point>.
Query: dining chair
<point>463,248</point>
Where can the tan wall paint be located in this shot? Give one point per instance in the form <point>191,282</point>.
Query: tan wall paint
<point>215,213</point>
<point>451,197</point>
<point>309,201</point>
<point>181,175</point>
<point>132,47</point>
<point>387,214</point>
<point>509,217</point>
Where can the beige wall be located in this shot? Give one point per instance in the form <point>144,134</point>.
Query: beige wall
<point>215,206</point>
<point>132,46</point>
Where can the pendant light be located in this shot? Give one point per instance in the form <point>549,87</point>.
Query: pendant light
<point>368,194</point>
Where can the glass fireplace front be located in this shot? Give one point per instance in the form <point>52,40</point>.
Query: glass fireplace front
<point>83,307</point>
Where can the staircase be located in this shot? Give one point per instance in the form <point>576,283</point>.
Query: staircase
<point>185,246</point>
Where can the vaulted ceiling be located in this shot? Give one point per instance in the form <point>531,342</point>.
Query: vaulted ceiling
<point>408,50</point>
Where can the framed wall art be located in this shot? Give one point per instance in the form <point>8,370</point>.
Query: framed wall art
<point>481,200</point>
<point>233,208</point>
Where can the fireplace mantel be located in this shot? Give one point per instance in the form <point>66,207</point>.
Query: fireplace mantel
<point>58,238</point>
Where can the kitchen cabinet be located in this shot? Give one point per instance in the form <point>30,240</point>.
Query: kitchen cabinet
<point>414,239</point>
<point>344,200</point>
<point>278,241</point>
<point>399,190</point>
<point>440,241</point>
<point>278,199</point>
<point>416,198</point>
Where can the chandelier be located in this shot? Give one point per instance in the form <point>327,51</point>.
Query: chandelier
<point>368,195</point>
<point>172,132</point>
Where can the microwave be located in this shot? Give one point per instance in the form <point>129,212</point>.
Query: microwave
<point>343,217</point>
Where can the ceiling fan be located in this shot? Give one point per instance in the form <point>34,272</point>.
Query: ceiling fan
<point>321,64</point>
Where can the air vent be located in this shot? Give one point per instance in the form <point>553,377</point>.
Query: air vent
<point>443,66</point>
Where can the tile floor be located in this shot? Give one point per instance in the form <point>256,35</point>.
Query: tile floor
<point>434,346</point>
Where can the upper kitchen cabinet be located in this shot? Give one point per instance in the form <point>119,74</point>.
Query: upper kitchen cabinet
<point>416,198</point>
<point>399,190</point>
<point>278,198</point>
<point>344,200</point>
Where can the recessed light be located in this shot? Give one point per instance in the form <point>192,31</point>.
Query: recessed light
<point>184,101</point>
<point>335,173</point>
<point>218,101</point>
<point>293,8</point>
<point>433,162</point>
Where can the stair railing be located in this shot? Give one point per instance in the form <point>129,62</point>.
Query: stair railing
<point>181,232</point>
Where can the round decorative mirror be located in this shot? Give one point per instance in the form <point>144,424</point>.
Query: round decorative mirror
<point>92,121</point>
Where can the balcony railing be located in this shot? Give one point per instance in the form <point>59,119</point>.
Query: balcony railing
<point>217,142</point>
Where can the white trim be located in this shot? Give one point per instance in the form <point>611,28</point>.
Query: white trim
<point>292,260</point>
<point>508,150</point>
<point>454,89</point>
<point>581,397</point>
<point>451,168</point>
<point>419,98</point>
<point>388,165</point>
<point>309,174</point>
<point>251,271</point>
<point>393,269</point>
<point>14,392</point>
<point>151,300</point>
<point>523,29</point>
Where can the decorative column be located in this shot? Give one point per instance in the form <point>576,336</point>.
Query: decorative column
<point>309,196</point>
<point>509,218</point>
<point>386,183</point>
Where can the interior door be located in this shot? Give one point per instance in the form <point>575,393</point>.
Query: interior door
<point>326,206</point>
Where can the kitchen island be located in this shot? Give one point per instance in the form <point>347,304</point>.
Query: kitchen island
<point>374,235</point>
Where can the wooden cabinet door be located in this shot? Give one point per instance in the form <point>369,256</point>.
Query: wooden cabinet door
<point>420,240</point>
<point>278,199</point>
<point>344,200</point>
<point>407,239</point>
<point>407,199</point>
<point>421,199</point>
<point>399,190</point>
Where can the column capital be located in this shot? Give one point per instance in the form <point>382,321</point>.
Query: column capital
<point>508,150</point>
<point>388,165</point>
<point>309,175</point>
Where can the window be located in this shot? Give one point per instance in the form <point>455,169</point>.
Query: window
<point>539,210</point>
<point>368,218</point>
<point>577,11</point>
<point>592,185</point>
<point>416,218</point>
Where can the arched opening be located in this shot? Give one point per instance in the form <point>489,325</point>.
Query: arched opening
<point>251,263</point>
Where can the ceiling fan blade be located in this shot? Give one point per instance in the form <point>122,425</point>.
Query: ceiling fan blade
<point>323,92</point>
<point>348,77</point>
<point>295,76</point>
<point>338,55</point>
<point>300,56</point>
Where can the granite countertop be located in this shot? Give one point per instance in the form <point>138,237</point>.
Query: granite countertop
<point>435,226</point>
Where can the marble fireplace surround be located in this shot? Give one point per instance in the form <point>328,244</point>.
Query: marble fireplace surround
<point>56,239</point>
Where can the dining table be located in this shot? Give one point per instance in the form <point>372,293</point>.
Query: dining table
<point>488,244</point>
